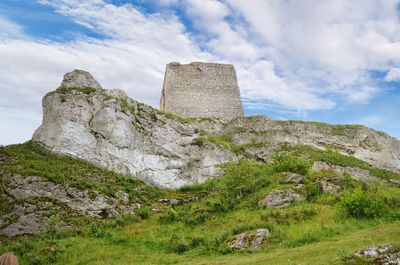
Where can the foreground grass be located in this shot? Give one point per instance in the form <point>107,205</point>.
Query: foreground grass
<point>326,252</point>
<point>132,245</point>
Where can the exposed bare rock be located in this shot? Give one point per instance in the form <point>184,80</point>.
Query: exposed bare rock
<point>383,255</point>
<point>331,188</point>
<point>250,240</point>
<point>24,219</point>
<point>293,178</point>
<point>375,148</point>
<point>32,218</point>
<point>259,237</point>
<point>240,241</point>
<point>281,198</point>
<point>356,173</point>
<point>113,131</point>
<point>394,182</point>
<point>84,202</point>
<point>79,78</point>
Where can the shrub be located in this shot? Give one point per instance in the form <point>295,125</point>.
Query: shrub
<point>284,161</point>
<point>209,185</point>
<point>198,141</point>
<point>85,90</point>
<point>143,213</point>
<point>243,179</point>
<point>176,244</point>
<point>313,190</point>
<point>362,204</point>
<point>169,217</point>
<point>126,219</point>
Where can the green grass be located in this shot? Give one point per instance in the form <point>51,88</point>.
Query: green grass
<point>84,90</point>
<point>321,230</point>
<point>33,159</point>
<point>123,102</point>
<point>182,119</point>
<point>331,156</point>
<point>339,129</point>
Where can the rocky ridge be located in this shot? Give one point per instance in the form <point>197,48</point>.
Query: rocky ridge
<point>42,198</point>
<point>109,129</point>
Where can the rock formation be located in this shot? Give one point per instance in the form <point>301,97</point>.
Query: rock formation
<point>250,241</point>
<point>46,197</point>
<point>281,198</point>
<point>109,129</point>
<point>201,90</point>
<point>385,255</point>
<point>113,131</point>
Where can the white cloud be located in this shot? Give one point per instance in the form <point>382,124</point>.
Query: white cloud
<point>393,74</point>
<point>362,94</point>
<point>302,55</point>
<point>133,58</point>
<point>8,29</point>
<point>335,42</point>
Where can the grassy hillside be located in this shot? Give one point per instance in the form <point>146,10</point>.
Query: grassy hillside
<point>324,229</point>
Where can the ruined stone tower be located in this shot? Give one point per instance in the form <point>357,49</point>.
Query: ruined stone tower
<point>201,90</point>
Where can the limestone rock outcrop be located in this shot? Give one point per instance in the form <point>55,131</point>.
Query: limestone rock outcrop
<point>79,78</point>
<point>43,198</point>
<point>251,241</point>
<point>281,198</point>
<point>385,255</point>
<point>111,130</point>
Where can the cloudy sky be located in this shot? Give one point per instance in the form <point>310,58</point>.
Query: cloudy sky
<point>335,61</point>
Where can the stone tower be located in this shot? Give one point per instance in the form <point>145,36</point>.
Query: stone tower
<point>201,90</point>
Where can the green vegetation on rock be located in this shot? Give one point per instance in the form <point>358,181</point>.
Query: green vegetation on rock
<point>84,90</point>
<point>33,159</point>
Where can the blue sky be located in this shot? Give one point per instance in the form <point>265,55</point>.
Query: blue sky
<point>331,61</point>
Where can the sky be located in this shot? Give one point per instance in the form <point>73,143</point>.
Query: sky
<point>335,61</point>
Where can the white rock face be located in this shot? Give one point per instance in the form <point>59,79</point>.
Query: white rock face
<point>79,78</point>
<point>111,130</point>
<point>376,148</point>
<point>116,132</point>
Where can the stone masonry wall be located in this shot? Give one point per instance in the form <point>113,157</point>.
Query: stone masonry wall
<point>201,90</point>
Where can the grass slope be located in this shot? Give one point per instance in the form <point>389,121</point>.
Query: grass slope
<point>324,229</point>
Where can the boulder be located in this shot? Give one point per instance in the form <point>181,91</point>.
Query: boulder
<point>250,240</point>
<point>47,198</point>
<point>24,219</point>
<point>293,178</point>
<point>384,255</point>
<point>281,198</point>
<point>355,172</point>
<point>328,187</point>
<point>79,78</point>
<point>259,237</point>
<point>394,182</point>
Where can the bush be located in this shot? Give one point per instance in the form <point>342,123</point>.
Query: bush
<point>176,244</point>
<point>169,217</point>
<point>243,179</point>
<point>313,189</point>
<point>143,213</point>
<point>362,204</point>
<point>126,219</point>
<point>198,141</point>
<point>285,162</point>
